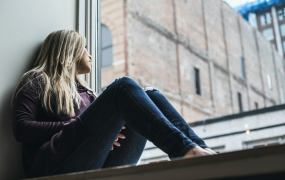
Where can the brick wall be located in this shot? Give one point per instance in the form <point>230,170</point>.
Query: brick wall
<point>166,39</point>
<point>112,15</point>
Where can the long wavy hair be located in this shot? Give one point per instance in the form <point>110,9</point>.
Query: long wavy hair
<point>56,64</point>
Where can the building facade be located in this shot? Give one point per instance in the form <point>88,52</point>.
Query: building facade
<point>268,16</point>
<point>235,132</point>
<point>203,55</point>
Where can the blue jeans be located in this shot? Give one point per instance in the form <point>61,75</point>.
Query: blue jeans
<point>146,115</point>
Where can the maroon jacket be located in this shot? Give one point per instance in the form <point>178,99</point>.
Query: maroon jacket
<point>48,140</point>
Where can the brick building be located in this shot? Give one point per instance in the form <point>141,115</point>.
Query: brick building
<point>268,16</point>
<point>201,54</point>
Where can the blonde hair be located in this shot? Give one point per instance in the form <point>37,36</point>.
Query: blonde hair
<point>60,52</point>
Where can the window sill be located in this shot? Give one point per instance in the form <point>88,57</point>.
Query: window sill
<point>251,164</point>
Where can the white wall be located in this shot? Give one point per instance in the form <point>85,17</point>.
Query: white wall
<point>23,27</point>
<point>261,130</point>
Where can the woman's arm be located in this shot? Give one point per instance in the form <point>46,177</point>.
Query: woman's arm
<point>27,128</point>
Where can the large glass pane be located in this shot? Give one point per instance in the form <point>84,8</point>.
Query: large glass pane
<point>212,65</point>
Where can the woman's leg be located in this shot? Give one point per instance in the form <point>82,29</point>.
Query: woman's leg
<point>129,152</point>
<point>173,116</point>
<point>124,101</point>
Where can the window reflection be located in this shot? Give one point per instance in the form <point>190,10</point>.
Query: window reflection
<point>107,46</point>
<point>219,69</point>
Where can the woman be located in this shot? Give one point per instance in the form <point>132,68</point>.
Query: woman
<point>64,128</point>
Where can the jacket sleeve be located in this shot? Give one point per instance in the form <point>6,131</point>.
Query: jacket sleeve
<point>27,128</point>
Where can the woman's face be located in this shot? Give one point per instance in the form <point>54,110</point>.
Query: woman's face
<point>84,65</point>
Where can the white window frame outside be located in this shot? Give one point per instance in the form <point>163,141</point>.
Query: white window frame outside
<point>89,25</point>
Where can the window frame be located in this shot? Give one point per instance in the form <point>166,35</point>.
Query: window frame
<point>265,19</point>
<point>89,25</point>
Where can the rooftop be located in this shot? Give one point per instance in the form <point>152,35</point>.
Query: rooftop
<point>259,6</point>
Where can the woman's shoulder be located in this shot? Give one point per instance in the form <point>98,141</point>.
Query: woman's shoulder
<point>32,81</point>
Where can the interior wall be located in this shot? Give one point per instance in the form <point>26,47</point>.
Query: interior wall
<point>23,27</point>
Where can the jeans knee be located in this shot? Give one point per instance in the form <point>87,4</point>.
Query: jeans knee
<point>125,80</point>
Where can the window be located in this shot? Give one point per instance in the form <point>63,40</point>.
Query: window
<point>240,102</point>
<point>265,19</point>
<point>242,67</point>
<point>256,105</point>
<point>197,81</point>
<point>107,47</point>
<point>284,46</point>
<point>282,95</point>
<point>268,34</point>
<point>282,29</point>
<point>281,14</point>
<point>252,20</point>
<point>269,81</point>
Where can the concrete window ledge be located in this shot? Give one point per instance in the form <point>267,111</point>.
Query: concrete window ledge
<point>260,163</point>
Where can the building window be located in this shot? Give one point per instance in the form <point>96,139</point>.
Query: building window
<point>242,67</point>
<point>268,34</point>
<point>269,81</point>
<point>252,20</point>
<point>282,29</point>
<point>256,105</point>
<point>281,14</point>
<point>240,102</point>
<point>284,46</point>
<point>282,95</point>
<point>197,81</point>
<point>265,19</point>
<point>107,47</point>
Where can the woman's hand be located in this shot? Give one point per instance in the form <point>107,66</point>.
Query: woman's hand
<point>119,136</point>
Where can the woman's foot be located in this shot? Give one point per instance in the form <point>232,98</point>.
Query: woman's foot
<point>210,151</point>
<point>198,151</point>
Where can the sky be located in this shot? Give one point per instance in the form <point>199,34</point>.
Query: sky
<point>235,3</point>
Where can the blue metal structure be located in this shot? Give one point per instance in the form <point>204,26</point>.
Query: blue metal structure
<point>258,6</point>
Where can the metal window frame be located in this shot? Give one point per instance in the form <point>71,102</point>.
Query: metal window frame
<point>89,25</point>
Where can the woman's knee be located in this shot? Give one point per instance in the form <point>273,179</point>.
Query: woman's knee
<point>153,93</point>
<point>123,81</point>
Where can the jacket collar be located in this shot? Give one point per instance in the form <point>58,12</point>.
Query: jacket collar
<point>80,87</point>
